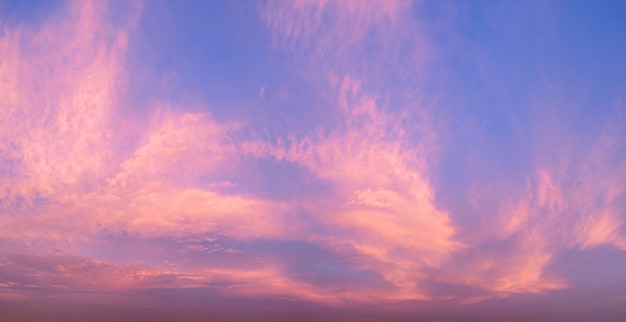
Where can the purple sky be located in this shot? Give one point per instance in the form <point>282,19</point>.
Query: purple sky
<point>312,160</point>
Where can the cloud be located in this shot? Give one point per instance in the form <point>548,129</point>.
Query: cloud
<point>382,213</point>
<point>568,200</point>
<point>61,83</point>
<point>64,151</point>
<point>101,197</point>
<point>162,183</point>
<point>78,168</point>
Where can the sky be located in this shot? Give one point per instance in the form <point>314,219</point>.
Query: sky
<point>312,160</point>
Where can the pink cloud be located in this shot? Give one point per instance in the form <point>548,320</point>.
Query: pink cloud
<point>75,175</point>
<point>566,203</point>
<point>383,211</point>
<point>382,176</point>
<point>88,184</point>
<point>75,166</point>
<point>62,88</point>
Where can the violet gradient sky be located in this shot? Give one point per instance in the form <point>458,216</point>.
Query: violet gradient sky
<point>323,160</point>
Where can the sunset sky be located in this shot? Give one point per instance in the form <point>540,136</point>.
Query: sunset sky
<point>312,160</point>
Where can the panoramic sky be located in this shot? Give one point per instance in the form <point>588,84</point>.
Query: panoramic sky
<point>322,160</point>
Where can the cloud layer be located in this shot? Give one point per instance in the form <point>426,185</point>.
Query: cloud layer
<point>365,171</point>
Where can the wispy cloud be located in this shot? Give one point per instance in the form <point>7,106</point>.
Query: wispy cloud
<point>373,200</point>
